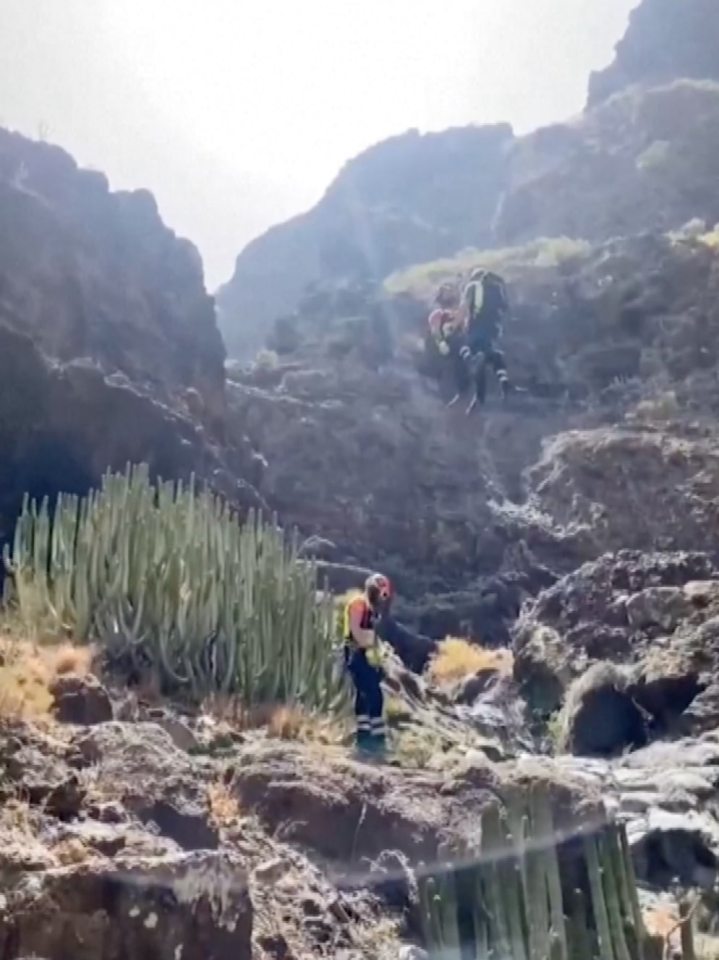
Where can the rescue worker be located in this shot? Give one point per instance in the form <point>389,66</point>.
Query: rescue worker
<point>446,329</point>
<point>485,308</point>
<point>363,659</point>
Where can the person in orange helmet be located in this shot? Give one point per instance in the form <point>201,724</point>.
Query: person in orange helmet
<point>364,662</point>
<point>446,328</point>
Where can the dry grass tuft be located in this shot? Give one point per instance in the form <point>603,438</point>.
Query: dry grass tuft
<point>68,658</point>
<point>288,723</point>
<point>70,851</point>
<point>295,723</point>
<point>279,721</point>
<point>457,659</point>
<point>397,711</point>
<point>224,806</point>
<point>28,669</point>
<point>15,816</point>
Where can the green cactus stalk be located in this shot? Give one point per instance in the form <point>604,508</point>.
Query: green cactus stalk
<point>544,833</point>
<point>599,906</point>
<point>610,884</point>
<point>166,573</point>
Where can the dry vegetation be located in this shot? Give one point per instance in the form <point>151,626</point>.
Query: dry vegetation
<point>422,280</point>
<point>458,659</point>
<point>279,721</point>
<point>224,806</point>
<point>28,669</point>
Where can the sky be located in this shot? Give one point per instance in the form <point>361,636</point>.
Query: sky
<point>237,114</point>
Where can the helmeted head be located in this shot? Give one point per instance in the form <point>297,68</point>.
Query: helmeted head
<point>378,590</point>
<point>479,273</point>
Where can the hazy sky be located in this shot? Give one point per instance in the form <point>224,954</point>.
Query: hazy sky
<point>238,113</point>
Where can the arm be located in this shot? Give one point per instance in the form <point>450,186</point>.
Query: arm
<point>436,327</point>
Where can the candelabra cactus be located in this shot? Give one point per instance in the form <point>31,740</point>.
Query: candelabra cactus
<point>533,893</point>
<point>166,575</point>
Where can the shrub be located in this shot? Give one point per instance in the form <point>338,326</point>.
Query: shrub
<point>457,659</point>
<point>28,670</point>
<point>421,280</point>
<point>167,576</point>
<point>267,360</point>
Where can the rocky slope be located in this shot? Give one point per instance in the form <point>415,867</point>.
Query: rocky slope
<point>645,160</point>
<point>109,350</point>
<point>159,837</point>
<point>613,446</point>
<point>409,199</point>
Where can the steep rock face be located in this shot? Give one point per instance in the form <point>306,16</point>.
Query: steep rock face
<point>616,347</point>
<point>89,273</point>
<point>665,39</point>
<point>653,613</point>
<point>645,160</point>
<point>632,488</point>
<point>109,350</point>
<point>409,199</point>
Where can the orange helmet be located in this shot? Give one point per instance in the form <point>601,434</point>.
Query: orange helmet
<point>378,587</point>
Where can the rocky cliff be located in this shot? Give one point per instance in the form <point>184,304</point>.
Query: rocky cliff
<point>109,349</point>
<point>645,160</point>
<point>665,39</point>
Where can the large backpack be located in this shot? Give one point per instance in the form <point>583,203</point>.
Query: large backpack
<point>487,302</point>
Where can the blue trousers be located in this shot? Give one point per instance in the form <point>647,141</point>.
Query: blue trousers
<point>369,701</point>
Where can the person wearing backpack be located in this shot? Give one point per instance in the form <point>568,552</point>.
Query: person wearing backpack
<point>485,307</point>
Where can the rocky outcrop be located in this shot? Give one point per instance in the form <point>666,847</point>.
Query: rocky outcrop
<point>227,853</point>
<point>109,350</point>
<point>645,160</point>
<point>80,700</point>
<point>88,273</point>
<point>665,39</point>
<point>664,793</point>
<point>627,488</point>
<point>409,199</point>
<point>154,857</point>
<point>652,614</point>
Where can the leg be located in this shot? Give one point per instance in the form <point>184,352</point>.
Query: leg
<point>479,380</point>
<point>375,705</point>
<point>358,667</point>
<point>459,367</point>
<point>480,377</point>
<point>496,358</point>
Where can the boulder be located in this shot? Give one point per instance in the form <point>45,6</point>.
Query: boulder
<point>194,905</point>
<point>599,716</point>
<point>81,700</point>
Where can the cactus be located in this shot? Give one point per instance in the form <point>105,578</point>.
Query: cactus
<point>165,574</point>
<point>531,893</point>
